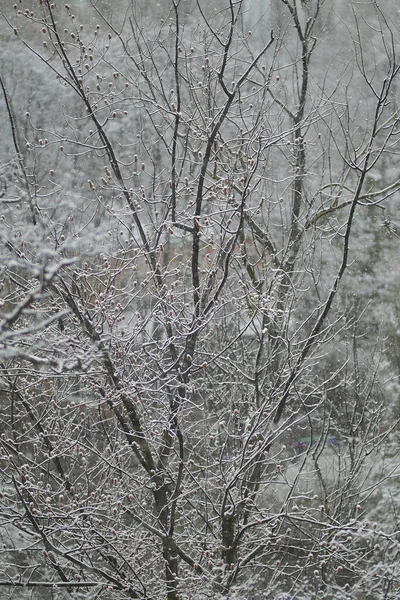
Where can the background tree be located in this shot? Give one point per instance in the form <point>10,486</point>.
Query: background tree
<point>198,401</point>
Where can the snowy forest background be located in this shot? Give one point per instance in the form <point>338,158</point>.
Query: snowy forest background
<point>199,332</point>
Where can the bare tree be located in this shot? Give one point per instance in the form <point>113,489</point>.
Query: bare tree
<point>187,408</point>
